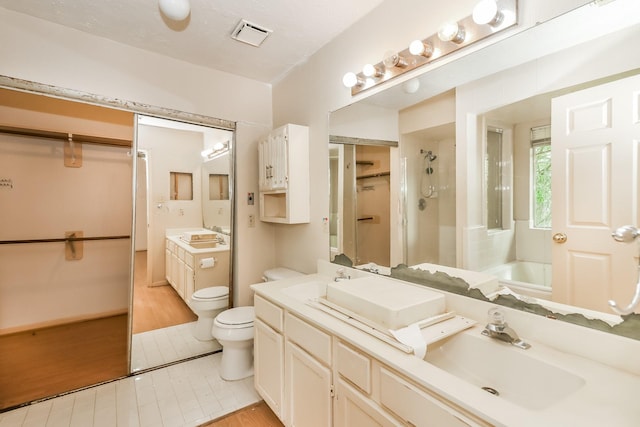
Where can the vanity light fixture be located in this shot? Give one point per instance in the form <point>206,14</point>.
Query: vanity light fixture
<point>371,71</point>
<point>352,80</point>
<point>452,32</point>
<point>488,17</point>
<point>486,12</point>
<point>418,47</point>
<point>394,59</point>
<point>176,10</point>
<point>219,149</point>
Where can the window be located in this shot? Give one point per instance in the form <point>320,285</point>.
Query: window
<point>541,176</point>
<point>493,179</point>
<point>218,186</point>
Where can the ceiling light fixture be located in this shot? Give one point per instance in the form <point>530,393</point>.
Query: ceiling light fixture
<point>176,10</point>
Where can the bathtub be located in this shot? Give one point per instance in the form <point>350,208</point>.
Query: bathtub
<point>528,278</point>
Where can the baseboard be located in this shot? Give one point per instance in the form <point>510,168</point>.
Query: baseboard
<point>63,321</point>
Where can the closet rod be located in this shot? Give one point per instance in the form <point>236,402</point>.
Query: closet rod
<point>64,239</point>
<point>86,139</point>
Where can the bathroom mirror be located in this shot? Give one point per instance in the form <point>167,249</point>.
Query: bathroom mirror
<point>472,222</point>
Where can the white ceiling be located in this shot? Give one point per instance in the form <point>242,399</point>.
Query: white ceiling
<point>300,28</point>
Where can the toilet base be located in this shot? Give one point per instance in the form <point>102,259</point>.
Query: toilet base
<point>237,360</point>
<point>202,329</point>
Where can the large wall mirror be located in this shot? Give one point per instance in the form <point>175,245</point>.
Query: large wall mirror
<point>514,165</point>
<point>90,287</point>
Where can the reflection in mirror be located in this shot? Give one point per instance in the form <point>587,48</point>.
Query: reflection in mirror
<point>180,186</point>
<point>218,186</point>
<point>360,176</point>
<point>529,219</point>
<point>170,267</point>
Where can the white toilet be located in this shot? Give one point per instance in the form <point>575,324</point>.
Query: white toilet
<point>207,303</point>
<point>279,273</point>
<point>233,329</point>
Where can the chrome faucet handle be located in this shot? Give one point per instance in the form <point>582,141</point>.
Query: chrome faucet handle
<point>341,275</point>
<point>499,329</point>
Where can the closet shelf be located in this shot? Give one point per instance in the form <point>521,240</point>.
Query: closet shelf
<point>87,139</point>
<point>374,175</point>
<point>364,162</point>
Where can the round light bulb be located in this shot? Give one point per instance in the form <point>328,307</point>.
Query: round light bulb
<point>418,47</point>
<point>411,86</point>
<point>486,12</point>
<point>350,79</point>
<point>451,32</point>
<point>218,146</point>
<point>176,10</point>
<point>370,71</point>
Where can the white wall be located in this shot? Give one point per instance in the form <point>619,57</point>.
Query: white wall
<point>39,51</point>
<point>315,88</point>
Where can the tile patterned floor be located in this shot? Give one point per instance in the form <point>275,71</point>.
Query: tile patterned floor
<point>185,394</point>
<point>167,345</point>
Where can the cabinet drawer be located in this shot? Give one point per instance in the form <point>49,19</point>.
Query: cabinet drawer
<point>415,406</point>
<point>310,338</point>
<point>270,313</point>
<point>181,253</point>
<point>188,259</point>
<point>354,366</point>
<point>171,245</point>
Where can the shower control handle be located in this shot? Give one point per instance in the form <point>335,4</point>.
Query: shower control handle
<point>559,238</point>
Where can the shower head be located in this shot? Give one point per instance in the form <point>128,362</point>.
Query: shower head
<point>428,155</point>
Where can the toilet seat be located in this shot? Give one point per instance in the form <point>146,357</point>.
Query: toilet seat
<point>236,318</point>
<point>212,293</point>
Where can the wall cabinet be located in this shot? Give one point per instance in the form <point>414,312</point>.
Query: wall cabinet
<point>185,274</point>
<point>283,158</point>
<point>323,381</point>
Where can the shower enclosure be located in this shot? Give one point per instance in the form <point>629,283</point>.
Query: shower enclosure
<point>428,207</point>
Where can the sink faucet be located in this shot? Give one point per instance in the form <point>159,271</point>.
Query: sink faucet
<point>499,329</point>
<point>340,275</point>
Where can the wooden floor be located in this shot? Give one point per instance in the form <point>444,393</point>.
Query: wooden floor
<point>155,307</point>
<point>45,362</point>
<point>258,415</point>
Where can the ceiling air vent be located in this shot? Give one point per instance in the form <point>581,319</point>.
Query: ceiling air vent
<point>249,33</point>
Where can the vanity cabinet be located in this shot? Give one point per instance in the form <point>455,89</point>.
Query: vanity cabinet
<point>269,344</point>
<point>185,274</point>
<point>283,158</point>
<point>292,366</point>
<point>310,377</point>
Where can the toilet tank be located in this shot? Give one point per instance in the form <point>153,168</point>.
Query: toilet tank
<point>279,273</point>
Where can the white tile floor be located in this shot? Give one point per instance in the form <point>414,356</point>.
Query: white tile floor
<point>185,394</point>
<point>167,345</point>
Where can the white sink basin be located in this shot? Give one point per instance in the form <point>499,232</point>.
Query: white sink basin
<point>307,290</point>
<point>515,374</point>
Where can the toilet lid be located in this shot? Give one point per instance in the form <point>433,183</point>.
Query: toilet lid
<point>237,316</point>
<point>212,292</point>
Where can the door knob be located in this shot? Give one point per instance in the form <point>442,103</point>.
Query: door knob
<point>559,238</point>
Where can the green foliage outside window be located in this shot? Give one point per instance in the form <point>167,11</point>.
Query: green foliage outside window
<point>542,185</point>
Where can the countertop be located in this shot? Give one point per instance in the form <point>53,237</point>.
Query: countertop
<point>609,396</point>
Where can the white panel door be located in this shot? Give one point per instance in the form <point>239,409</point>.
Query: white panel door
<point>594,146</point>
